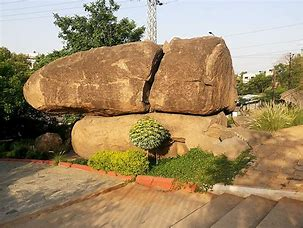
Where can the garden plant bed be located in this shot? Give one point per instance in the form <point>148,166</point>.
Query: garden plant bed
<point>161,183</point>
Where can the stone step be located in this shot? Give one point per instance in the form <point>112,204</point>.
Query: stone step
<point>246,214</point>
<point>287,213</point>
<point>209,214</point>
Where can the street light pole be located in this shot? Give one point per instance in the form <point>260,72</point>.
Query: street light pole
<point>289,70</point>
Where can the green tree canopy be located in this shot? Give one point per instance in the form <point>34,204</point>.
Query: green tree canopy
<point>14,71</point>
<point>99,28</point>
<point>256,85</point>
<point>259,83</point>
<point>290,76</point>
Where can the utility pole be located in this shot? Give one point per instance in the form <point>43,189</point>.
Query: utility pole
<point>289,70</point>
<point>152,19</point>
<point>273,84</point>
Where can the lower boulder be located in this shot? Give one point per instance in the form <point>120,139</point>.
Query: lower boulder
<point>96,133</point>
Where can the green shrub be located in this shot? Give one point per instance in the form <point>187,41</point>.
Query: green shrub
<point>273,117</point>
<point>202,168</point>
<point>23,148</point>
<point>131,162</point>
<point>148,134</point>
<point>80,161</point>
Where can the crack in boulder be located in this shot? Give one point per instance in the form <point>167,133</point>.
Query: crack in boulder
<point>151,78</point>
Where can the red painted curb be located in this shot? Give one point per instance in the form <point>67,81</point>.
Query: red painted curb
<point>112,173</point>
<point>101,172</point>
<point>163,183</point>
<point>145,180</point>
<point>166,184</point>
<point>65,164</point>
<point>83,167</point>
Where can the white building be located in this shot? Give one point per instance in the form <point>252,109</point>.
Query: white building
<point>248,76</point>
<point>32,58</point>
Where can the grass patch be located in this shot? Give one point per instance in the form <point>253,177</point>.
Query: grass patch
<point>59,157</point>
<point>202,168</point>
<point>272,117</point>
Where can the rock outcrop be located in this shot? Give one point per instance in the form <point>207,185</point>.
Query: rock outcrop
<point>48,142</point>
<point>188,76</point>
<point>95,133</point>
<point>195,77</point>
<point>107,81</point>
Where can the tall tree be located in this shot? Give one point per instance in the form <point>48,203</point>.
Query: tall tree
<point>99,28</point>
<point>290,73</point>
<point>14,71</point>
<point>259,83</point>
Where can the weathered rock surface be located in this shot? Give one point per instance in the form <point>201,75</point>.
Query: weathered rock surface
<point>48,142</point>
<point>107,80</point>
<point>93,133</point>
<point>231,147</point>
<point>195,77</point>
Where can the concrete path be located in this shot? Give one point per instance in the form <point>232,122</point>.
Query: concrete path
<point>27,187</point>
<point>135,206</point>
<point>130,206</point>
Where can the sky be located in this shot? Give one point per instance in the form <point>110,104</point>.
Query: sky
<point>259,34</point>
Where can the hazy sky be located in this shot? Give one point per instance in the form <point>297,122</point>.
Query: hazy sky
<point>258,33</point>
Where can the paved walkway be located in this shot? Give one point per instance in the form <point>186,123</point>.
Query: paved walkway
<point>135,206</point>
<point>27,187</point>
<point>130,206</point>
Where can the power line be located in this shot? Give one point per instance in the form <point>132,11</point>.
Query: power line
<point>48,16</point>
<point>45,11</point>
<point>41,6</point>
<point>56,4</point>
<point>265,53</point>
<point>268,44</point>
<point>13,2</point>
<point>264,30</point>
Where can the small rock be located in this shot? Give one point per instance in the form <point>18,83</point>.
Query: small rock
<point>48,142</point>
<point>231,147</point>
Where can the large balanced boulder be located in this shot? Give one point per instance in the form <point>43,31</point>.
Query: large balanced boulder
<point>106,81</point>
<point>195,77</point>
<point>95,133</point>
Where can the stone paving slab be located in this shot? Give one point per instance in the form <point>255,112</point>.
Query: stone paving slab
<point>28,187</point>
<point>131,206</point>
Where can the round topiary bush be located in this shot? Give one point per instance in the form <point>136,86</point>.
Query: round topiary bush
<point>148,134</point>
